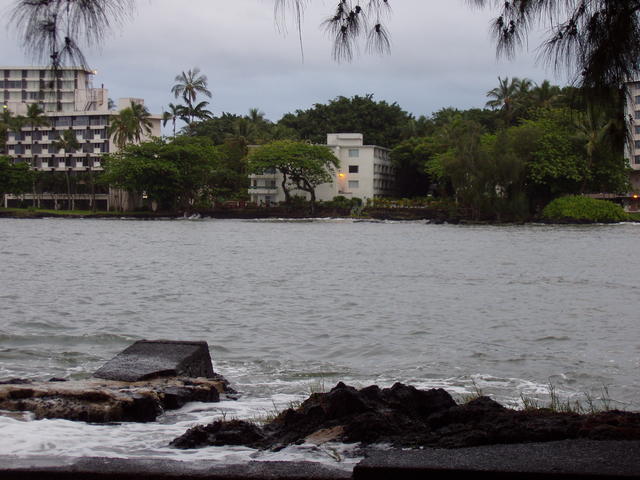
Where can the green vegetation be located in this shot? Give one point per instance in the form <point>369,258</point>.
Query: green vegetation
<point>14,178</point>
<point>302,165</point>
<point>583,209</point>
<point>182,174</point>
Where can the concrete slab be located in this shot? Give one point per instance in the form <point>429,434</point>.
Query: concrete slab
<point>51,468</point>
<point>148,359</point>
<point>568,459</point>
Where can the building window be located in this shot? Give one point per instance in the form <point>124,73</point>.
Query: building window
<point>637,128</point>
<point>637,143</point>
<point>353,168</point>
<point>637,114</point>
<point>354,184</point>
<point>636,160</point>
<point>637,99</point>
<point>354,152</point>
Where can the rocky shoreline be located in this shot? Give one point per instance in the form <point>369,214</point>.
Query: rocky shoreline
<point>150,377</point>
<point>404,416</point>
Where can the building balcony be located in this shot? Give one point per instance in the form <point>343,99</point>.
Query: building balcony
<point>264,189</point>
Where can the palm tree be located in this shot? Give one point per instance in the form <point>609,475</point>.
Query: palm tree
<point>189,85</point>
<point>35,118</point>
<point>175,112</point>
<point>69,143</point>
<point>130,125</point>
<point>545,95</point>
<point>592,128</point>
<point>199,111</point>
<point>505,96</point>
<point>6,121</point>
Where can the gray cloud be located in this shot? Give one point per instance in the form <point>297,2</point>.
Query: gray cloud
<point>442,55</point>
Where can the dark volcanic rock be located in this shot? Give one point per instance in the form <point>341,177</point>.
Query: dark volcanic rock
<point>405,416</point>
<point>147,359</point>
<point>234,432</point>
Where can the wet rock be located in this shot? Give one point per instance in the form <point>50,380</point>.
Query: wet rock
<point>234,432</point>
<point>407,417</point>
<point>136,386</point>
<point>101,401</point>
<point>147,359</point>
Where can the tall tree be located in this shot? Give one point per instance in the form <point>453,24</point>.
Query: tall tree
<point>68,142</point>
<point>381,123</point>
<point>191,112</point>
<point>130,125</point>
<point>303,166</point>
<point>189,85</point>
<point>174,113</point>
<point>507,95</point>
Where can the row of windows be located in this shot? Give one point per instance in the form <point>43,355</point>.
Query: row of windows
<point>263,184</point>
<point>31,74</point>
<point>101,134</point>
<point>38,85</point>
<point>102,147</point>
<point>381,154</point>
<point>379,168</point>
<point>382,184</point>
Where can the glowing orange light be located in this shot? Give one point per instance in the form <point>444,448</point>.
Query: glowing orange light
<point>635,195</point>
<point>341,175</point>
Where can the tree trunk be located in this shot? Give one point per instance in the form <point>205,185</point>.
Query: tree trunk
<point>68,190</point>
<point>287,195</point>
<point>93,192</point>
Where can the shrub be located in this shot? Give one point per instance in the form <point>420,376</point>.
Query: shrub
<point>583,209</point>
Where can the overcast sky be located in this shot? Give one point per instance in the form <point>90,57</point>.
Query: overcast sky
<point>442,55</point>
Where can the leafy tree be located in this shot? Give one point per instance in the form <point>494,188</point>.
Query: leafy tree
<point>381,123</point>
<point>303,166</point>
<point>410,158</point>
<point>130,124</point>
<point>217,129</point>
<point>182,173</point>
<point>14,178</point>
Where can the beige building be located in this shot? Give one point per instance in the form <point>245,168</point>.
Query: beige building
<point>365,172</point>
<point>70,102</point>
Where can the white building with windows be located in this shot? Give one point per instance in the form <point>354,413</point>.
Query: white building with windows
<point>365,172</point>
<point>633,148</point>
<point>69,102</point>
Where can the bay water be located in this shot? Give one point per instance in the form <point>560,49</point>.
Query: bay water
<point>290,307</point>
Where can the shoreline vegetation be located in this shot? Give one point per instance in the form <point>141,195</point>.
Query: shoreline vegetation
<point>565,210</point>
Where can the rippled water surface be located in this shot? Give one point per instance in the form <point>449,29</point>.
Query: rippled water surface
<point>291,306</point>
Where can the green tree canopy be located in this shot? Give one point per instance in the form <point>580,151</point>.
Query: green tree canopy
<point>130,124</point>
<point>15,178</point>
<point>380,122</point>
<point>303,166</point>
<point>182,173</point>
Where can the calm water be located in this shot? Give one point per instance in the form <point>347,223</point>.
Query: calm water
<point>291,306</point>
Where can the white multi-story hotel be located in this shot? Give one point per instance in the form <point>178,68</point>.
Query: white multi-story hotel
<point>633,148</point>
<point>69,102</point>
<point>365,172</point>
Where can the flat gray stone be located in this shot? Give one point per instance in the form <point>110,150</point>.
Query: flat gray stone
<point>52,468</point>
<point>147,359</point>
<point>567,459</point>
